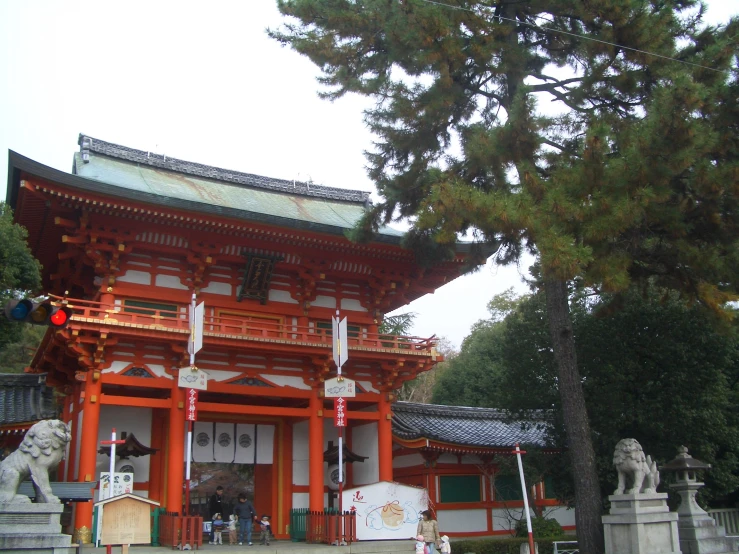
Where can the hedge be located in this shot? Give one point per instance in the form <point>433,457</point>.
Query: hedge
<point>504,546</point>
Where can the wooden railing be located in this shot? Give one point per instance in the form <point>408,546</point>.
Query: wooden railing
<point>240,328</point>
<point>176,531</point>
<point>728,518</point>
<point>331,528</point>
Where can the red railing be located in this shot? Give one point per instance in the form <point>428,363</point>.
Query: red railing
<point>328,528</point>
<point>176,530</point>
<point>241,328</point>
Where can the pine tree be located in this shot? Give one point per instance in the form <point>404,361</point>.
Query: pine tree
<point>633,176</point>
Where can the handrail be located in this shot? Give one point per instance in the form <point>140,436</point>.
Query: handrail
<point>230,327</point>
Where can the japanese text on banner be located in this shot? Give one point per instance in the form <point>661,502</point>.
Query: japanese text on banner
<point>339,412</point>
<point>192,405</point>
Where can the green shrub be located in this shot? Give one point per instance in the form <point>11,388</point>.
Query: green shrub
<point>502,546</point>
<point>542,527</point>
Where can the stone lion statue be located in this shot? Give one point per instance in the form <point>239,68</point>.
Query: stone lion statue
<point>634,468</point>
<point>41,451</point>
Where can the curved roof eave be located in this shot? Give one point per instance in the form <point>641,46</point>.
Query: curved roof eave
<point>18,163</point>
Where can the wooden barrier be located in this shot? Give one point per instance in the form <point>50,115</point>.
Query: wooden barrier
<point>330,527</point>
<point>175,530</point>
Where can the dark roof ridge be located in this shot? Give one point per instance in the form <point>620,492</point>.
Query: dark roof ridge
<point>469,412</point>
<point>89,144</point>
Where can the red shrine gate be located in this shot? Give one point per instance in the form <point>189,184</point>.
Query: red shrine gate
<point>129,236</point>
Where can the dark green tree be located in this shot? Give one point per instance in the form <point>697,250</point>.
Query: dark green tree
<point>658,370</point>
<point>20,276</point>
<point>634,175</point>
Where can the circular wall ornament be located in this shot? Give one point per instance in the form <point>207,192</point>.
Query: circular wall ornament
<point>202,439</point>
<point>224,439</point>
<point>244,440</point>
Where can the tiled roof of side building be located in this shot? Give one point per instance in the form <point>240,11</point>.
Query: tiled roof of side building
<point>25,398</point>
<point>89,144</point>
<point>482,427</point>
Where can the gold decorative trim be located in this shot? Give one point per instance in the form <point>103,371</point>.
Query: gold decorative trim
<point>83,535</point>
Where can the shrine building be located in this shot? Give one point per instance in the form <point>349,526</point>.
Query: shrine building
<point>125,241</point>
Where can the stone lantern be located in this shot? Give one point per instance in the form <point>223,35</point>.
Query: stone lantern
<point>698,532</point>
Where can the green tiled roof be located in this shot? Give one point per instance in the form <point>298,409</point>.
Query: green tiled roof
<point>214,188</point>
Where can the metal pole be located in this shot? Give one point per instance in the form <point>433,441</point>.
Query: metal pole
<point>187,468</point>
<point>525,501</point>
<point>189,423</point>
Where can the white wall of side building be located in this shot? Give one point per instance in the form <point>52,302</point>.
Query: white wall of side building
<point>462,521</point>
<point>364,443</point>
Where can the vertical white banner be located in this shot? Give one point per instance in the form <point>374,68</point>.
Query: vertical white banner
<point>202,442</point>
<point>244,443</point>
<point>224,447</point>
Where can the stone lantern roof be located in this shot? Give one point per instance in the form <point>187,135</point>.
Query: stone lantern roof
<point>685,462</point>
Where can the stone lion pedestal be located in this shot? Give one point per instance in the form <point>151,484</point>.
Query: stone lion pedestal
<point>27,528</point>
<point>640,524</point>
<point>32,528</point>
<point>640,521</point>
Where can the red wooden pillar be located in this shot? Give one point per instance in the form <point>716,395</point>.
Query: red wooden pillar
<point>315,452</point>
<point>88,437</point>
<point>385,438</point>
<point>176,449</point>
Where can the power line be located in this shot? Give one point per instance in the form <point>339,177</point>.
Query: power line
<point>583,37</point>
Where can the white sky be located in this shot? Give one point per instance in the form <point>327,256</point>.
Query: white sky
<point>199,81</point>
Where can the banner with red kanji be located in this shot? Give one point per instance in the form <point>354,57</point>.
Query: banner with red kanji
<point>191,405</point>
<point>339,412</point>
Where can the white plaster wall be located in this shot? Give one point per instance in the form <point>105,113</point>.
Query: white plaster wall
<point>131,420</point>
<point>133,276</point>
<point>505,520</point>
<point>367,385</point>
<point>448,459</point>
<point>462,521</point>
<point>364,443</point>
<point>322,301</point>
<point>78,434</point>
<point>352,305</point>
<point>300,500</point>
<point>408,460</point>
<point>116,366</point>
<point>281,296</point>
<point>565,516</point>
<point>216,287</point>
<point>170,282</point>
<point>300,457</point>
<point>293,381</point>
<point>473,460</point>
<point>265,444</point>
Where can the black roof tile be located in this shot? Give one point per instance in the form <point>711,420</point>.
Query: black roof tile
<point>482,427</point>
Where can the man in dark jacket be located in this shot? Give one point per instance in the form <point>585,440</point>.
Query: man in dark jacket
<point>246,513</point>
<point>215,506</point>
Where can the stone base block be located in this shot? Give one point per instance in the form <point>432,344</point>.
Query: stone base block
<point>32,519</point>
<point>640,524</point>
<point>32,529</point>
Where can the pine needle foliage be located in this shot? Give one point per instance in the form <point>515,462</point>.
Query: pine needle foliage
<point>564,128</point>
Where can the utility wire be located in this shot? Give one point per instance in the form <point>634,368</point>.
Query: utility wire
<point>583,37</point>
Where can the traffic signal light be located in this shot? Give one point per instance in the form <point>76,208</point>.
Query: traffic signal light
<point>38,313</point>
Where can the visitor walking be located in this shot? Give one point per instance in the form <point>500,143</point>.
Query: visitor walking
<point>244,510</point>
<point>429,528</point>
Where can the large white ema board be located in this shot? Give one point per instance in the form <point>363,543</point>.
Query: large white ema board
<point>386,510</point>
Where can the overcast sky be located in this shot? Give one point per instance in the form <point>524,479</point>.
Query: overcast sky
<point>199,81</point>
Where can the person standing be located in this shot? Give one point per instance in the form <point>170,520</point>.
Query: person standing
<point>215,506</point>
<point>429,528</point>
<point>246,513</point>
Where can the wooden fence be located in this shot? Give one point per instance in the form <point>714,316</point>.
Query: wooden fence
<point>328,527</point>
<point>175,530</point>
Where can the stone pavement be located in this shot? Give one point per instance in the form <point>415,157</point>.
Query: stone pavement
<point>275,547</point>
